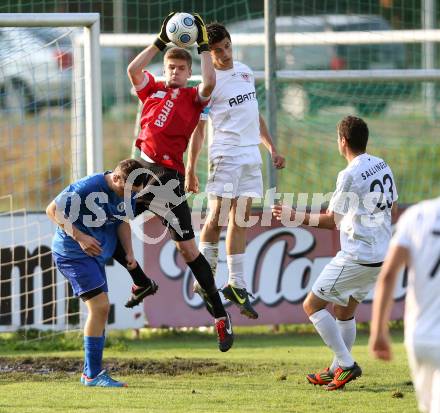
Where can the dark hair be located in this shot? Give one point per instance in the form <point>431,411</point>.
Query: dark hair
<point>355,131</point>
<point>126,167</point>
<point>216,33</point>
<point>178,53</point>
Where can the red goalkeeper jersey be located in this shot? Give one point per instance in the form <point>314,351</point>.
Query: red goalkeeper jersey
<point>169,116</point>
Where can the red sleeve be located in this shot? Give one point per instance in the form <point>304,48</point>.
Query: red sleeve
<point>148,88</point>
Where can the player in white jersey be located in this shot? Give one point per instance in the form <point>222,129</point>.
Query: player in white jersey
<point>235,163</point>
<point>361,207</point>
<point>416,244</point>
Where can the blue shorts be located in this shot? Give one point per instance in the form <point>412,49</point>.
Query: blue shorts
<point>83,274</point>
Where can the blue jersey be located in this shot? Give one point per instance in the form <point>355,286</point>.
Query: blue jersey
<point>94,209</point>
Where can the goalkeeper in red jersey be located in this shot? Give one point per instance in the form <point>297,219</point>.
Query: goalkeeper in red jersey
<point>170,112</point>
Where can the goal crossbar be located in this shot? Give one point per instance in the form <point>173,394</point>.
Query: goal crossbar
<point>48,19</point>
<point>293,39</point>
<point>316,38</point>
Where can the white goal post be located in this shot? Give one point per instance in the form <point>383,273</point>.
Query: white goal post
<point>317,38</point>
<point>92,72</point>
<point>298,39</point>
<point>32,293</point>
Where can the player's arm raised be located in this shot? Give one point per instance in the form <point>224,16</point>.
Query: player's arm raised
<point>135,69</point>
<point>194,148</point>
<point>208,72</point>
<point>278,161</point>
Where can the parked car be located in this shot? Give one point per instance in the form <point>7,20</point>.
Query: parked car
<point>31,75</point>
<point>370,98</point>
<point>113,61</point>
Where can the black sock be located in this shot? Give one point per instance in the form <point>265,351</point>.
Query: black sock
<point>203,274</point>
<point>137,274</point>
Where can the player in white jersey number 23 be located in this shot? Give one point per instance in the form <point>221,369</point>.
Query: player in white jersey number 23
<point>361,207</point>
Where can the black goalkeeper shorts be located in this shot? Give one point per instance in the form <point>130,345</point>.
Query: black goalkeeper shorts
<point>164,195</point>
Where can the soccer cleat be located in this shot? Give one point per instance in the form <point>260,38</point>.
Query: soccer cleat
<point>321,379</point>
<point>342,377</point>
<point>101,380</point>
<point>139,293</point>
<point>225,334</point>
<point>240,297</point>
<point>200,291</point>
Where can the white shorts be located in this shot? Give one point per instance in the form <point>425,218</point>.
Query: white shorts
<point>426,379</point>
<point>229,179</point>
<point>342,278</point>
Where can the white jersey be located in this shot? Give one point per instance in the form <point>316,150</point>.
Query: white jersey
<point>418,230</point>
<point>365,192</point>
<point>233,110</point>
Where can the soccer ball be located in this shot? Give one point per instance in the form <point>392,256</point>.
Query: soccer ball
<point>182,29</point>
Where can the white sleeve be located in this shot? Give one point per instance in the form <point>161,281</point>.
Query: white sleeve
<point>340,201</point>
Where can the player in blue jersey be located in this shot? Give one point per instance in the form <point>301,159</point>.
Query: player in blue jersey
<point>92,215</point>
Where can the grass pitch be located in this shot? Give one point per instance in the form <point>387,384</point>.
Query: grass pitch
<point>184,372</point>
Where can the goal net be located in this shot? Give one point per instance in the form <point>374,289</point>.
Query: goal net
<point>391,82</point>
<point>43,129</point>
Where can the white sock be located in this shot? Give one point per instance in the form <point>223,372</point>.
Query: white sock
<point>236,270</point>
<point>327,328</point>
<point>210,252</point>
<point>347,329</point>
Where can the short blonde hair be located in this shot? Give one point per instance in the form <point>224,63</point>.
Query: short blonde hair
<point>178,53</point>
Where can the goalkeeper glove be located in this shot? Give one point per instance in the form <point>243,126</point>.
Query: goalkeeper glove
<point>162,38</point>
<point>202,36</point>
